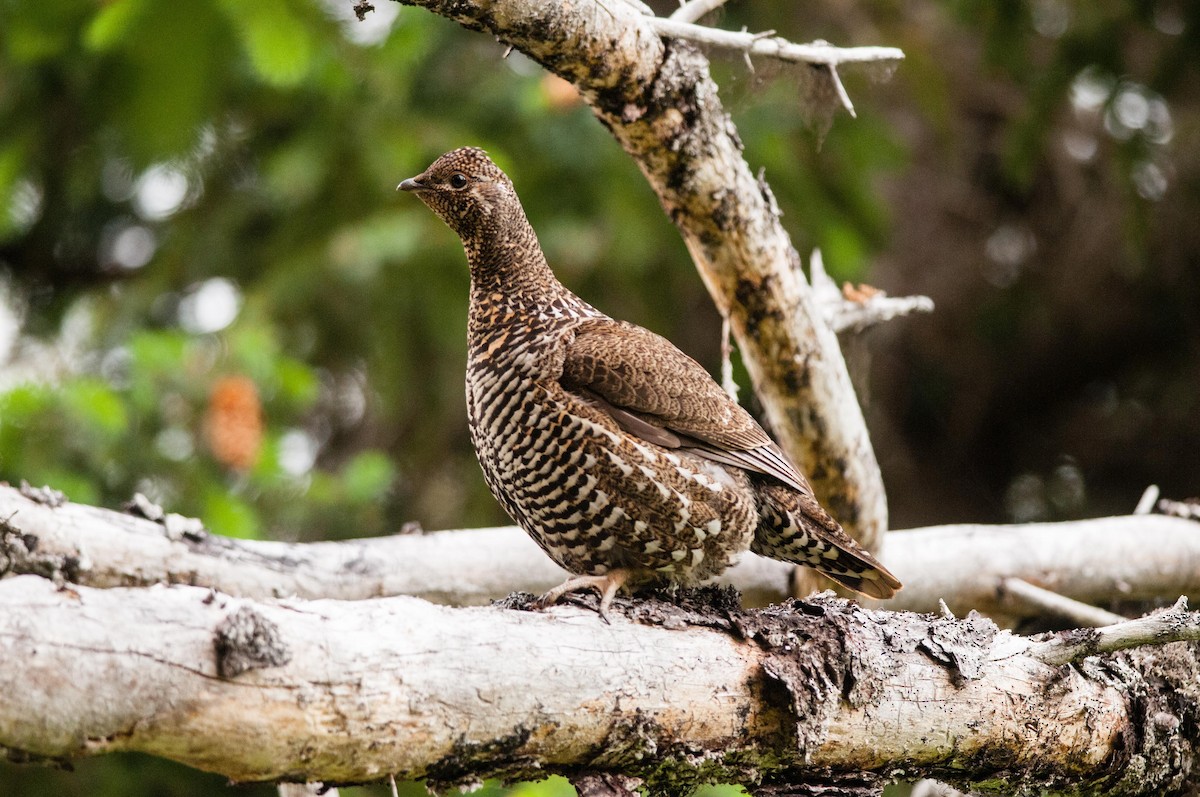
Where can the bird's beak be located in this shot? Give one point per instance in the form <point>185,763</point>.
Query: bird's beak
<point>411,184</point>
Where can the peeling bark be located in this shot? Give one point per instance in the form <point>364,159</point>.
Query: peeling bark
<point>816,693</point>
<point>248,641</point>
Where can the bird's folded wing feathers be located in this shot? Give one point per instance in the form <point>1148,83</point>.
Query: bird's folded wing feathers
<point>655,391</point>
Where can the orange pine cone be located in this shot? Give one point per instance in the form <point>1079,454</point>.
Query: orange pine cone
<point>233,424</point>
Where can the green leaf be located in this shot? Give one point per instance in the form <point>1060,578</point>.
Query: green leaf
<point>254,349</point>
<point>279,46</point>
<point>94,406</point>
<point>844,250</point>
<point>14,160</point>
<point>368,476</point>
<point>158,352</point>
<point>20,409</point>
<point>112,23</point>
<point>554,786</point>
<point>166,81</point>
<point>21,403</point>
<point>723,790</point>
<point>295,171</point>
<point>298,383</point>
<point>13,155</point>
<point>389,237</point>
<point>39,31</point>
<point>230,516</point>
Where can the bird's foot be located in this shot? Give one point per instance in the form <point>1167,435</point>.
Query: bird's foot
<point>606,585</point>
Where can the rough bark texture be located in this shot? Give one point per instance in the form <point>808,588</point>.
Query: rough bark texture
<point>657,98</point>
<point>1136,558</point>
<point>806,694</point>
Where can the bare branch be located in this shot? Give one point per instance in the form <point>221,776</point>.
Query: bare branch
<point>1131,558</point>
<point>865,310</point>
<point>727,380</point>
<point>933,788</point>
<point>817,53</point>
<point>1176,624</point>
<point>695,10</point>
<point>1097,561</point>
<point>1145,504</point>
<point>1184,509</point>
<point>306,790</point>
<point>88,545</point>
<point>840,90</point>
<point>858,316</point>
<point>1051,603</point>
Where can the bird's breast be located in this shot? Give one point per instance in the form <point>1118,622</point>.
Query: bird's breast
<point>593,496</point>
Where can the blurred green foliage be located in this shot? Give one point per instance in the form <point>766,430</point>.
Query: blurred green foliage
<point>193,194</point>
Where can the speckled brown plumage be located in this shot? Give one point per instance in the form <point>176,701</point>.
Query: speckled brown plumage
<point>614,450</point>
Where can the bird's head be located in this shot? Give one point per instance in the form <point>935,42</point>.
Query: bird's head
<point>467,191</point>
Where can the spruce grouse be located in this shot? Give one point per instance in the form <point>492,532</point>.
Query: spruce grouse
<point>613,449</point>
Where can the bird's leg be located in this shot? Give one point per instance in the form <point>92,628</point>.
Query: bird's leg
<point>606,585</point>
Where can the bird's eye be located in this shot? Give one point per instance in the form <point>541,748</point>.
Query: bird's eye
<point>458,180</point>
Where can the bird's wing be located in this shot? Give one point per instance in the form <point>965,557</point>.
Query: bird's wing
<point>658,393</point>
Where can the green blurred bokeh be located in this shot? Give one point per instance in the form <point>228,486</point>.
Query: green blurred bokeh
<point>196,194</point>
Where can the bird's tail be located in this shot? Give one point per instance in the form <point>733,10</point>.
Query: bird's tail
<point>793,527</point>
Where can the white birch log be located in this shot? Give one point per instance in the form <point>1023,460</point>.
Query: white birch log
<point>1134,558</point>
<point>811,693</point>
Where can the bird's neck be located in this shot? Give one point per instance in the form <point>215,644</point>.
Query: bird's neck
<point>509,267</point>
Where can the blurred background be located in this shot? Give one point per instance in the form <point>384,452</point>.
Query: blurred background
<point>211,293</point>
